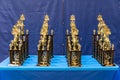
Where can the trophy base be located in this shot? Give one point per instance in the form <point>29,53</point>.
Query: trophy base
<point>42,64</point>
<point>14,65</point>
<point>77,65</point>
<point>108,65</point>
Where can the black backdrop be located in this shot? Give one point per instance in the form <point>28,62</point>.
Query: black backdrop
<point>59,11</point>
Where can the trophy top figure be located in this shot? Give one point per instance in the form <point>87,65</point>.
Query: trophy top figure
<point>22,17</point>
<point>44,30</point>
<point>104,33</point>
<point>74,30</point>
<point>20,23</point>
<point>46,18</point>
<point>99,18</point>
<point>73,25</point>
<point>72,17</point>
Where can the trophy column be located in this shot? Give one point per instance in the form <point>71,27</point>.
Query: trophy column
<point>18,47</point>
<point>26,44</point>
<point>11,53</point>
<point>103,50</point>
<point>51,48</point>
<point>73,47</point>
<point>23,42</point>
<point>45,45</point>
<point>94,43</point>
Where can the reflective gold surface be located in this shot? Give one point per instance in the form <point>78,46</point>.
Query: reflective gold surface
<point>74,33</point>
<point>104,48</point>
<point>73,45</point>
<point>44,43</point>
<point>17,31</point>
<point>44,31</point>
<point>104,33</point>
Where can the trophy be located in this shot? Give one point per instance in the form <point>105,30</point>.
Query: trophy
<point>103,49</point>
<point>18,47</point>
<point>73,46</point>
<point>45,45</point>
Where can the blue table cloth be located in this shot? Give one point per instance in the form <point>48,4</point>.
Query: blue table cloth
<point>58,70</point>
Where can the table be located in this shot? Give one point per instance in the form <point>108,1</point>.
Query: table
<point>58,70</point>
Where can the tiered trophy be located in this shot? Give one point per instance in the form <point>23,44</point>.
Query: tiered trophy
<point>19,45</point>
<point>103,49</point>
<point>45,45</point>
<point>73,46</point>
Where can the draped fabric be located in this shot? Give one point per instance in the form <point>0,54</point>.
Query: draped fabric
<point>59,11</point>
<point>59,75</point>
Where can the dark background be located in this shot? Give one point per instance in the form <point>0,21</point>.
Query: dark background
<point>59,11</point>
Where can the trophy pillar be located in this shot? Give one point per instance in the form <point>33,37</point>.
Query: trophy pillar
<point>52,34</point>
<point>73,47</point>
<point>97,48</point>
<point>27,44</point>
<point>20,54</point>
<point>94,43</point>
<point>39,56</point>
<point>11,53</point>
<point>23,40</point>
<point>11,56</point>
<point>112,54</point>
<point>67,49</point>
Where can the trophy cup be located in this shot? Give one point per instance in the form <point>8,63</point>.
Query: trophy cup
<point>18,47</point>
<point>73,46</point>
<point>103,50</point>
<point>45,45</point>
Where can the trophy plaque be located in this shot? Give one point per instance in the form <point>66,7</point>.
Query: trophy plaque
<point>45,45</point>
<point>73,46</point>
<point>18,48</point>
<point>103,49</point>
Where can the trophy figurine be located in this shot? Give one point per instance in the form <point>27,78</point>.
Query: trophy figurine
<point>19,45</point>
<point>72,44</point>
<point>103,49</point>
<point>45,45</point>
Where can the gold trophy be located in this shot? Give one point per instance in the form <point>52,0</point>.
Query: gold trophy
<point>102,48</point>
<point>18,46</point>
<point>73,46</point>
<point>45,44</point>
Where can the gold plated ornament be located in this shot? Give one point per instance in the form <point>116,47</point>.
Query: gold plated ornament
<point>102,47</point>
<point>73,45</point>
<point>45,45</point>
